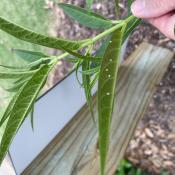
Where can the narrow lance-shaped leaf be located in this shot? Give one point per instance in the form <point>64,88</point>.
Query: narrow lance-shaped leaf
<point>86,84</point>
<point>86,17</point>
<point>130,27</point>
<point>129,3</point>
<point>36,56</point>
<point>20,81</point>
<point>29,67</point>
<point>32,117</point>
<point>77,66</point>
<point>14,75</point>
<point>23,106</point>
<point>16,86</point>
<point>33,37</point>
<point>9,108</point>
<point>91,71</point>
<point>94,80</point>
<point>101,51</point>
<point>29,56</point>
<point>106,93</point>
<point>84,57</point>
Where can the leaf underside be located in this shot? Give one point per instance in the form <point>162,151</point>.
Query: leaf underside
<point>106,93</point>
<point>29,56</point>
<point>86,17</point>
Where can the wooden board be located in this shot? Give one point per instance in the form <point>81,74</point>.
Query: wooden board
<point>74,151</point>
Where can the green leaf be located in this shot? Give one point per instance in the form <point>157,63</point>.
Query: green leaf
<point>78,64</point>
<point>91,71</point>
<point>32,117</point>
<point>139,172</point>
<point>86,84</point>
<point>106,93</point>
<point>29,67</point>
<point>101,51</point>
<point>129,3</point>
<point>71,60</point>
<point>9,108</point>
<point>22,107</point>
<point>29,56</point>
<point>86,17</point>
<point>33,37</point>
<point>94,80</point>
<point>89,3</point>
<point>13,75</point>
<point>16,86</point>
<point>85,57</point>
<point>130,27</point>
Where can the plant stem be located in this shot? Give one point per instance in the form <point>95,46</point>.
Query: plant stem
<point>101,35</point>
<point>98,37</point>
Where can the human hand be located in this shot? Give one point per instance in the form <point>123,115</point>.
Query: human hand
<point>160,13</point>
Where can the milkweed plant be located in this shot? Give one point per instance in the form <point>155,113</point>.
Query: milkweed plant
<point>29,80</point>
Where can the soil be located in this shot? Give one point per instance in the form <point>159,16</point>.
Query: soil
<point>153,145</point>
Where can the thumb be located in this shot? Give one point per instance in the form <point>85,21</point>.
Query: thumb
<point>152,8</point>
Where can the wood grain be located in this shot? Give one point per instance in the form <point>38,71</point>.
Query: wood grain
<point>74,151</point>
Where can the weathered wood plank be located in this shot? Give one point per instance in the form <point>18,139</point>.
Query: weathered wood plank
<point>74,151</point>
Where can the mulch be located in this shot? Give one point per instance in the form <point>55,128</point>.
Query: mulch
<point>153,145</point>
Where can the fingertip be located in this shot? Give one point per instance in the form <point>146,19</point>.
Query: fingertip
<point>138,7</point>
<point>166,24</point>
<point>152,8</point>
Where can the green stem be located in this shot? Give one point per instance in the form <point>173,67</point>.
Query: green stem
<point>98,37</point>
<point>130,18</point>
<point>107,32</point>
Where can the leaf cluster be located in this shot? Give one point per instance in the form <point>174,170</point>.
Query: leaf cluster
<point>100,67</point>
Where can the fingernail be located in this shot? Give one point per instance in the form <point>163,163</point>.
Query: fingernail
<point>138,6</point>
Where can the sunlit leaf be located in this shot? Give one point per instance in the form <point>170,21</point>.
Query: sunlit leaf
<point>16,86</point>
<point>29,56</point>
<point>129,3</point>
<point>9,108</point>
<point>86,84</point>
<point>22,107</point>
<point>13,75</point>
<point>28,67</point>
<point>32,116</point>
<point>33,37</point>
